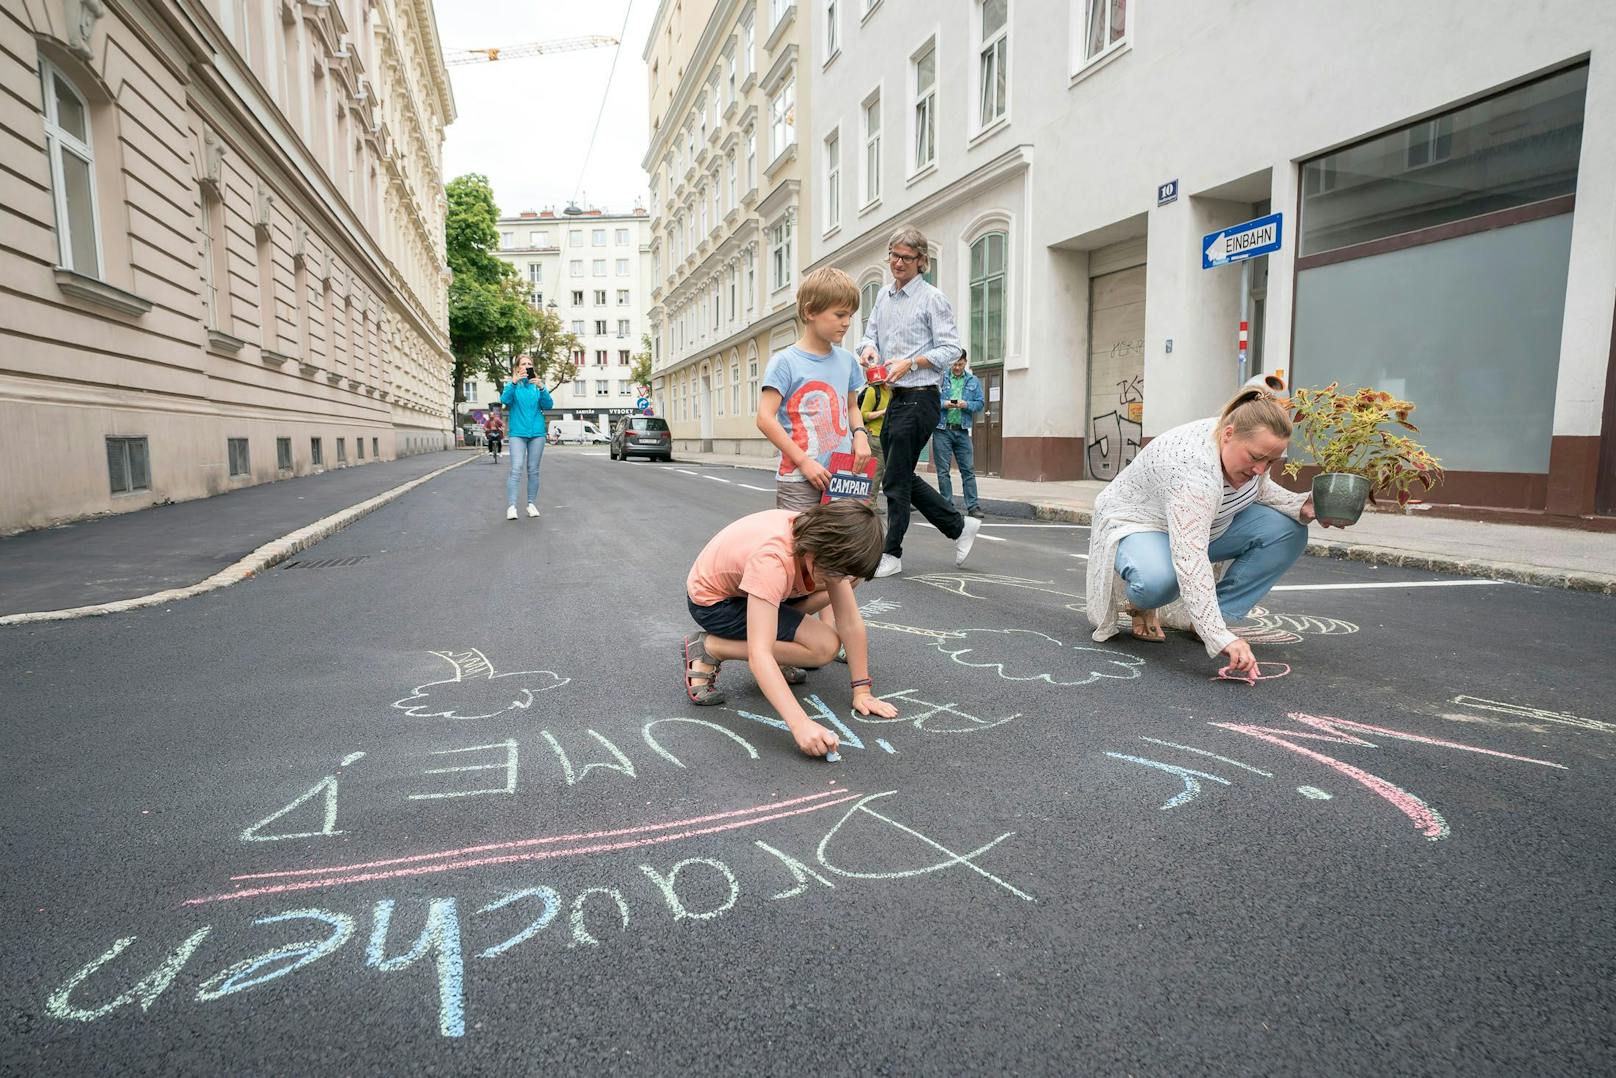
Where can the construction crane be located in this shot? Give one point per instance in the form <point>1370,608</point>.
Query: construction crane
<point>532,48</point>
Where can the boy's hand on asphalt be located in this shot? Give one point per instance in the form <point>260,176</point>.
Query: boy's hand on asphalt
<point>815,473</point>
<point>813,738</point>
<point>866,704</point>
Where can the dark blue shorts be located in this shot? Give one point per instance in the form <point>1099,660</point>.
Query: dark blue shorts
<point>727,618</point>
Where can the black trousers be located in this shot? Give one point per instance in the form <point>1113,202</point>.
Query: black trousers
<point>910,419</point>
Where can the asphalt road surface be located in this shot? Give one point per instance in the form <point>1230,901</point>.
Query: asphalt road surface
<point>439,805</point>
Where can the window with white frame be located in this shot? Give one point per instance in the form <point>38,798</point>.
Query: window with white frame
<point>923,77</point>
<point>621,237</point>
<point>778,10</point>
<point>623,358</point>
<point>575,268</point>
<point>869,293</point>
<point>872,148</point>
<point>597,237</point>
<point>729,175</point>
<point>128,464</point>
<point>215,281</point>
<point>575,237</point>
<point>577,298</point>
<point>600,297</point>
<point>507,240</point>
<point>578,327</point>
<point>751,278</point>
<point>735,385</point>
<point>748,46</point>
<point>622,297</point>
<point>988,268</point>
<point>729,76</point>
<point>752,374</point>
<point>718,389</point>
<point>783,118</point>
<point>580,387</point>
<point>603,387</point>
<point>600,328</point>
<point>780,254</point>
<point>597,268</point>
<point>718,211</point>
<point>622,327</point>
<point>72,169</point>
<point>833,43</point>
<point>1106,23</point>
<point>751,160</point>
<point>833,180</point>
<point>993,59</point>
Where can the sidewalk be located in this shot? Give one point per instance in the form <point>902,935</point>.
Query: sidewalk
<point>179,546</point>
<point>1551,557</point>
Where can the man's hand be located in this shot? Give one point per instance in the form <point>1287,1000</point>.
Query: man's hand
<point>865,703</point>
<point>898,368</point>
<point>1241,660</point>
<point>869,356</point>
<point>861,457</point>
<point>815,473</point>
<point>813,738</point>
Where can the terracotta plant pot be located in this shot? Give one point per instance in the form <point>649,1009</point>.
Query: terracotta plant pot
<point>1339,498</point>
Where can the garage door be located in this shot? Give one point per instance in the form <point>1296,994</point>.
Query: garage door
<point>1116,368</point>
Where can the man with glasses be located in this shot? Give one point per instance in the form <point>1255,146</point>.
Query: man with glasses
<point>913,330</point>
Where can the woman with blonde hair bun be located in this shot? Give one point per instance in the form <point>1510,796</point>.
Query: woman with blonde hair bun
<point>1198,496</point>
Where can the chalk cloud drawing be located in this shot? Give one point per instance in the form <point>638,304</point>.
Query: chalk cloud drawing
<point>1029,655</point>
<point>475,690</point>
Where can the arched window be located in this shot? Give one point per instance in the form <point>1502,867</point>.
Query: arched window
<point>869,293</point>
<point>72,168</point>
<point>735,381</point>
<point>752,373</point>
<point>988,262</point>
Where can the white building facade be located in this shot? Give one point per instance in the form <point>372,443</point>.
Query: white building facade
<point>1447,189</point>
<point>592,269</point>
<point>728,108</point>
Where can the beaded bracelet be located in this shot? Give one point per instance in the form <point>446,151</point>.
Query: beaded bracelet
<point>862,682</point>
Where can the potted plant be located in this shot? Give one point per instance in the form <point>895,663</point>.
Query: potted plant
<point>1356,441</point>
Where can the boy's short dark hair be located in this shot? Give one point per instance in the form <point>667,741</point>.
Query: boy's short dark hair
<point>844,536</point>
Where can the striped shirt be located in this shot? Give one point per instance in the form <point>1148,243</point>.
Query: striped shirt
<point>916,320</point>
<point>1234,501</point>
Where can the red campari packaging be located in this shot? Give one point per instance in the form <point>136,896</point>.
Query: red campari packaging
<point>876,374</point>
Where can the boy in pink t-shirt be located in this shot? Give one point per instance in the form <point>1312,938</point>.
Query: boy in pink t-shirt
<point>750,591</point>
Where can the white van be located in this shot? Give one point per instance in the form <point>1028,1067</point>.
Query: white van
<point>579,431</point>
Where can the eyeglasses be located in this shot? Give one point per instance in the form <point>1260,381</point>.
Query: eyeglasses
<point>894,256</point>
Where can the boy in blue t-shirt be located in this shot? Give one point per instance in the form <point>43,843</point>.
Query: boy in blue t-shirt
<point>811,389</point>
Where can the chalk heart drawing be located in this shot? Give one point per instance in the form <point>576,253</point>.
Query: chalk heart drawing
<point>1028,655</point>
<point>475,690</point>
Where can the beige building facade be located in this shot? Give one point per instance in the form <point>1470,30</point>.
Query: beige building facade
<point>727,104</point>
<point>224,260</point>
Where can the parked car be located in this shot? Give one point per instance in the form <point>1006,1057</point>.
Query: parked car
<point>578,431</point>
<point>642,435</point>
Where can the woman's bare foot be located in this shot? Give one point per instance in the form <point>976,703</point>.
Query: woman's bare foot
<point>1146,626</point>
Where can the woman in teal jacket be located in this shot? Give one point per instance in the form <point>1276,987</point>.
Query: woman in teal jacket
<point>525,400</point>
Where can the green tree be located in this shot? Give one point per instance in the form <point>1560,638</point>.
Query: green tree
<point>640,374</point>
<point>551,348</point>
<point>489,316</point>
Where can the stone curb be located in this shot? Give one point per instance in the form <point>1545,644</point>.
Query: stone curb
<point>1518,572</point>
<point>270,554</point>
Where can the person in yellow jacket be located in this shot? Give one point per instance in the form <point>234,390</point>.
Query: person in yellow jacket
<point>872,401</point>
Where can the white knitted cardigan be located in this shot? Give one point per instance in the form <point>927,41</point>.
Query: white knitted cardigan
<point>1174,485</point>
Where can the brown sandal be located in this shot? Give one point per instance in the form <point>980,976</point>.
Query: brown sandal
<point>701,685</point>
<point>1146,625</point>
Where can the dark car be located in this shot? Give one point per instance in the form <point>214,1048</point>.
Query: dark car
<point>642,435</point>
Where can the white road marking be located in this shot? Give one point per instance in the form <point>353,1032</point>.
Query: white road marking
<point>687,471</point>
<point>979,535</point>
<point>1404,584</point>
<point>1085,557</point>
<point>749,486</point>
<point>715,479</point>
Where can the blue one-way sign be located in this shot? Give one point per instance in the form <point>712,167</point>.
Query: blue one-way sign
<point>1240,242</point>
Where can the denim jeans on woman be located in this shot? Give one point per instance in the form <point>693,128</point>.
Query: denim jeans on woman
<point>525,456</point>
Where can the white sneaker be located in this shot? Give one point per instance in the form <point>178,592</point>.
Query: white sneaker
<point>962,545</point>
<point>532,510</point>
<point>510,513</point>
<point>889,566</point>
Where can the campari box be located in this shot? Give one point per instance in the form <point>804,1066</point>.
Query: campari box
<point>845,482</point>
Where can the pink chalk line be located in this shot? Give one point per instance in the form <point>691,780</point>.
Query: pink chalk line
<point>1427,819</point>
<point>1229,673</point>
<point>341,875</point>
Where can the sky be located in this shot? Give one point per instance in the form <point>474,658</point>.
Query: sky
<point>526,123</point>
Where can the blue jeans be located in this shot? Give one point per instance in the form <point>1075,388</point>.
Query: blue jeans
<point>1261,542</point>
<point>955,445</point>
<point>525,456</point>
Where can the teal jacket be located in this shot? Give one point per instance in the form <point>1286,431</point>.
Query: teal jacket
<point>525,403</point>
